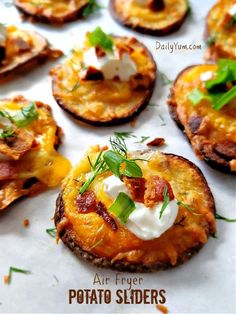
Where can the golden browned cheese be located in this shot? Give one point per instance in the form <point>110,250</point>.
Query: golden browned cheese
<point>96,236</point>
<point>216,126</point>
<point>219,31</point>
<point>42,161</point>
<point>51,8</point>
<point>143,17</point>
<point>102,100</point>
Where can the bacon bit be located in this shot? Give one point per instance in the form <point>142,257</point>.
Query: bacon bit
<point>26,223</point>
<point>124,48</point>
<point>6,279</point>
<point>136,187</point>
<point>154,191</point>
<point>55,53</point>
<point>158,141</point>
<point>99,52</point>
<point>91,74</point>
<point>21,44</point>
<point>103,148</point>
<point>102,212</point>
<point>140,82</point>
<point>133,122</point>
<point>162,308</point>
<point>156,5</point>
<point>8,170</point>
<point>86,201</point>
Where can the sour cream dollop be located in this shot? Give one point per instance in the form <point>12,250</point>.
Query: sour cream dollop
<point>144,222</point>
<point>111,65</point>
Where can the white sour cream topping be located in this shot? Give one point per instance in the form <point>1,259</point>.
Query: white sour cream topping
<point>144,222</point>
<point>111,65</point>
<point>3,34</point>
<point>206,76</point>
<point>232,11</point>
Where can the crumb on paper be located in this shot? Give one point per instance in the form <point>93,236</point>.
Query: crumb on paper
<point>133,122</point>
<point>26,223</point>
<point>158,141</point>
<point>162,308</point>
<point>6,279</point>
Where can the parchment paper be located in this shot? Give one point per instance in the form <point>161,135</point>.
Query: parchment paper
<point>205,284</point>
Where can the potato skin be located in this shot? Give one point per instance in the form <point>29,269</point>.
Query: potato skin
<point>207,152</point>
<point>130,115</point>
<point>68,236</point>
<point>145,30</point>
<point>217,50</point>
<point>30,186</point>
<point>43,54</point>
<point>69,17</point>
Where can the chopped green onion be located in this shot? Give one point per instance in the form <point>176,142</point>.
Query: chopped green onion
<point>196,96</point>
<point>166,201</point>
<point>101,39</point>
<point>132,169</point>
<point>225,99</point>
<point>113,161</point>
<point>122,207</point>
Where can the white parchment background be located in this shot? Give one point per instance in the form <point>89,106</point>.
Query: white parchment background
<point>205,284</point>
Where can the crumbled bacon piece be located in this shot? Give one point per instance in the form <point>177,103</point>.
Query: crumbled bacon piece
<point>91,74</point>
<point>102,211</point>
<point>86,201</point>
<point>156,5</point>
<point>26,223</point>
<point>21,44</point>
<point>158,141</point>
<point>140,81</point>
<point>99,52</point>
<point>136,187</point>
<point>8,170</point>
<point>154,191</point>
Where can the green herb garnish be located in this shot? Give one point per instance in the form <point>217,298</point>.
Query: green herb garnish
<point>101,39</point>
<point>16,270</point>
<point>124,135</point>
<point>164,79</point>
<point>6,133</point>
<point>143,139</point>
<point>97,243</point>
<point>91,8</point>
<point>97,168</point>
<point>218,92</point>
<point>220,217</point>
<point>166,201</point>
<point>122,207</point>
<point>188,207</point>
<point>52,232</point>
<point>23,117</point>
<point>211,40</point>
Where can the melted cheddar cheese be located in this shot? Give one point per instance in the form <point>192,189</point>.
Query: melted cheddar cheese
<point>221,124</point>
<point>188,186</point>
<point>42,161</point>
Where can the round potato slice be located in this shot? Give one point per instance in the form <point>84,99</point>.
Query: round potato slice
<point>24,49</point>
<point>220,31</point>
<point>51,11</point>
<point>104,102</point>
<point>212,133</point>
<point>154,22</point>
<point>29,162</point>
<point>94,236</point>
